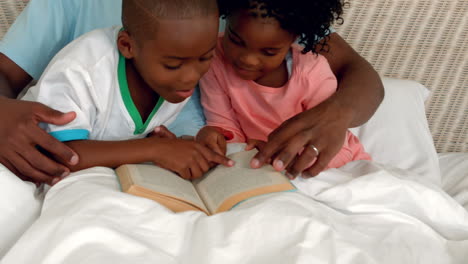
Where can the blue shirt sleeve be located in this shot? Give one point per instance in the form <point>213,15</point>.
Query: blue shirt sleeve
<point>38,33</point>
<point>70,135</point>
<point>191,119</point>
<point>46,26</point>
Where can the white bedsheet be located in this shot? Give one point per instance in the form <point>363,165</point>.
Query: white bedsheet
<point>454,167</point>
<point>361,213</point>
<point>19,208</point>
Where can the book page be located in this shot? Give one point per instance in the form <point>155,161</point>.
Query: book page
<point>223,182</point>
<point>165,182</point>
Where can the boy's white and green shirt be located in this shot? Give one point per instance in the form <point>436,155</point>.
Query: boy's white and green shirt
<point>88,77</point>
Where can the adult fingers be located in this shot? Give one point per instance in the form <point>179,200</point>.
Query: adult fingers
<point>288,128</point>
<point>257,144</point>
<point>53,146</point>
<point>288,174</point>
<point>251,144</point>
<point>270,148</point>
<point>263,155</point>
<point>276,141</point>
<point>39,161</point>
<point>304,160</point>
<point>320,164</point>
<point>289,152</point>
<point>25,168</point>
<point>48,115</point>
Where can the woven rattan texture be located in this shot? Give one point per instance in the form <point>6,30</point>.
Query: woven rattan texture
<point>9,10</point>
<point>422,40</point>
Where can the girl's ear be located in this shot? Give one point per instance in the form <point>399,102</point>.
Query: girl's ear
<point>126,44</point>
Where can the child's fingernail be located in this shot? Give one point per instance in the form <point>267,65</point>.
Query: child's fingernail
<point>255,163</point>
<point>74,160</point>
<point>157,129</point>
<point>231,163</point>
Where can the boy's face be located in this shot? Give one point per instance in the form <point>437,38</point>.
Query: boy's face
<point>253,46</point>
<point>180,53</point>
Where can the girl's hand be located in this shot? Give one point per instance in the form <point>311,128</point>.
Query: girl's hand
<point>189,159</point>
<point>212,138</point>
<point>323,127</point>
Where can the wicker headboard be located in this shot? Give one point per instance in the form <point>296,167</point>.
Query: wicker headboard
<point>421,40</point>
<point>9,10</point>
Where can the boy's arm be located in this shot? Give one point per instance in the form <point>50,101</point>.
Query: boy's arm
<point>360,92</point>
<point>187,158</point>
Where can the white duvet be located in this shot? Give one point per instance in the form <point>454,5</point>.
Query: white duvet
<point>361,213</point>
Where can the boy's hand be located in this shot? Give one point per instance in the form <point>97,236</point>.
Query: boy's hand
<point>189,159</point>
<point>20,134</point>
<point>213,139</point>
<point>323,126</point>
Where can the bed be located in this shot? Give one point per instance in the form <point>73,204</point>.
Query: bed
<point>409,205</point>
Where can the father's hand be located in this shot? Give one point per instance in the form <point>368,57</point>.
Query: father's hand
<point>295,144</point>
<point>20,135</point>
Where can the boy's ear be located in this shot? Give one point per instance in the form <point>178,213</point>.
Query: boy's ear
<point>126,44</point>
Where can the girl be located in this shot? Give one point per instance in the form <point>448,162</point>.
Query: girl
<point>259,78</point>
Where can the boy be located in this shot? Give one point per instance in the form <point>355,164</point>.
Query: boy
<point>122,83</point>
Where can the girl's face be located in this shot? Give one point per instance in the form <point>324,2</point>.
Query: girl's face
<point>173,61</point>
<point>255,47</point>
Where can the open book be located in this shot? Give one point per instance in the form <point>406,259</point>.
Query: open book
<point>217,191</point>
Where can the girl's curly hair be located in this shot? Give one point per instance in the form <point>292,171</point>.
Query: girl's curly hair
<point>309,19</point>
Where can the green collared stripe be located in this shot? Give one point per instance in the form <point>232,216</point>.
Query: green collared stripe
<point>140,127</point>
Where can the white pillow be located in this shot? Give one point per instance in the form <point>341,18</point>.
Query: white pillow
<point>398,133</point>
<point>19,208</point>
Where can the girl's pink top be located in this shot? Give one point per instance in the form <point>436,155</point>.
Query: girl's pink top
<point>253,111</point>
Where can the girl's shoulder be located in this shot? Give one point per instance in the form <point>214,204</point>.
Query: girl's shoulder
<point>309,63</point>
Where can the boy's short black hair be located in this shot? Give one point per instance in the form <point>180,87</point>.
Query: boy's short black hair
<point>139,16</point>
<point>309,19</point>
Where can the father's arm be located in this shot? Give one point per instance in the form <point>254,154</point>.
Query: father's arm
<point>37,34</point>
<point>360,89</point>
<point>20,134</point>
<point>12,77</point>
<point>360,92</point>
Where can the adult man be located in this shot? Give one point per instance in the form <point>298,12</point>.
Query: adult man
<point>46,26</point>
